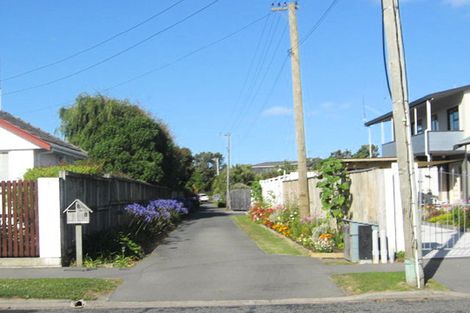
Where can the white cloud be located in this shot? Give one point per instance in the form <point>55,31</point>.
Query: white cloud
<point>458,3</point>
<point>333,106</point>
<point>277,111</point>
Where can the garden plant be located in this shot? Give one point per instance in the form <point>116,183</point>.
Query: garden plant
<point>124,245</point>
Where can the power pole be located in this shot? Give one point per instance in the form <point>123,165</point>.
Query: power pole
<point>304,205</point>
<point>401,120</point>
<point>229,206</point>
<point>217,167</point>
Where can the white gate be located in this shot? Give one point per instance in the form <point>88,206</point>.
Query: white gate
<point>445,226</point>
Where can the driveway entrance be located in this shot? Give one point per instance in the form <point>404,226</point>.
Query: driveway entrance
<point>209,258</point>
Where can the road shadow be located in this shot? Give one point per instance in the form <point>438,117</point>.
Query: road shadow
<point>207,211</point>
<point>431,267</point>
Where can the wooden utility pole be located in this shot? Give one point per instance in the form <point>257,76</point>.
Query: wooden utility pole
<point>304,204</point>
<point>228,205</point>
<point>401,119</point>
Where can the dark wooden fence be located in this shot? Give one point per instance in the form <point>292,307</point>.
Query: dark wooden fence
<point>19,230</point>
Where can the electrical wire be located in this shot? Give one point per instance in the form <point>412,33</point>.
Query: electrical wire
<point>267,99</point>
<point>319,22</point>
<point>255,94</point>
<point>384,53</point>
<point>94,46</point>
<point>139,43</point>
<point>250,67</point>
<point>301,42</point>
<point>213,43</point>
<point>252,87</point>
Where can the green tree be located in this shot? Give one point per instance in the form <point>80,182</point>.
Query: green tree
<point>239,174</point>
<point>126,139</point>
<point>205,170</point>
<point>341,154</point>
<point>363,152</point>
<point>242,174</point>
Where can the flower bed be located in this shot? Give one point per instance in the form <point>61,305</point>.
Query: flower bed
<point>123,246</point>
<point>313,233</point>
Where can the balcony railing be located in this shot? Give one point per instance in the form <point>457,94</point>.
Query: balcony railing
<point>440,142</point>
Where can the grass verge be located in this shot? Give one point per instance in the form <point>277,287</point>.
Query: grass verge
<point>266,240</point>
<point>57,288</point>
<point>358,283</point>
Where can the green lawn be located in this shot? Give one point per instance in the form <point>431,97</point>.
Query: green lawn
<point>265,239</point>
<point>57,288</point>
<point>358,283</point>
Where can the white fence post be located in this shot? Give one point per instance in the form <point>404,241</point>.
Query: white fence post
<point>49,221</point>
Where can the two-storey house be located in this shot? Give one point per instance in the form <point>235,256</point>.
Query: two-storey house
<point>440,131</point>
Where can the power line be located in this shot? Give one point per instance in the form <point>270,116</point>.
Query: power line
<point>250,67</point>
<point>301,42</point>
<point>213,43</point>
<point>268,97</point>
<point>94,46</point>
<point>255,94</point>
<point>116,54</point>
<point>259,69</point>
<point>181,58</point>
<point>319,22</point>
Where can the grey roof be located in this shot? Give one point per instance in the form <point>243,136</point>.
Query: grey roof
<point>434,96</point>
<point>56,143</point>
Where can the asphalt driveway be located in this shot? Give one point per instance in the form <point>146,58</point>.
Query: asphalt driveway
<point>209,258</point>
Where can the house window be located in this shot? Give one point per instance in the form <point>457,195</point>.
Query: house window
<point>3,166</point>
<point>419,127</point>
<point>434,123</point>
<point>453,119</point>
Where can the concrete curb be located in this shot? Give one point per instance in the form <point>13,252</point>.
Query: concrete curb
<point>18,304</point>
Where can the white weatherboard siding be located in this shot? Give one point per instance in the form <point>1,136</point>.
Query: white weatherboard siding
<point>10,141</point>
<point>20,154</point>
<point>19,162</point>
<point>49,221</point>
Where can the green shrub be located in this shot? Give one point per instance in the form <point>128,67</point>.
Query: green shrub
<point>53,171</point>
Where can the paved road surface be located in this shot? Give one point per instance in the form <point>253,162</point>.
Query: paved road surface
<point>428,306</point>
<point>209,258</point>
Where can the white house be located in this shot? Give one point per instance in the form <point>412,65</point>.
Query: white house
<point>23,146</point>
<point>440,129</point>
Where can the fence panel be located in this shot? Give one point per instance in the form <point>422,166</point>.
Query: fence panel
<point>19,235</point>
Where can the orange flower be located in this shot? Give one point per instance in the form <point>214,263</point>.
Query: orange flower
<point>326,236</point>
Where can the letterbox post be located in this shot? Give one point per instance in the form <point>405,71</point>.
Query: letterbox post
<point>78,245</point>
<point>78,213</point>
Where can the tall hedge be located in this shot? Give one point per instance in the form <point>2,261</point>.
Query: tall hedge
<point>124,138</point>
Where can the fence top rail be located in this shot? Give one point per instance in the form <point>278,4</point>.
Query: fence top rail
<point>107,177</point>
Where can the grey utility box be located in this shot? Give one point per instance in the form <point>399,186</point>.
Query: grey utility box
<point>358,240</point>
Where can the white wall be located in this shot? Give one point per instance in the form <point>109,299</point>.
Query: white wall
<point>273,188</point>
<point>464,114</point>
<point>10,141</point>
<point>19,162</point>
<point>20,154</point>
<point>49,221</point>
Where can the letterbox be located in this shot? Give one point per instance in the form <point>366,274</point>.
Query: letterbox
<point>78,213</point>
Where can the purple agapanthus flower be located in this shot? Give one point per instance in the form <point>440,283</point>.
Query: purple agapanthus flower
<point>156,209</point>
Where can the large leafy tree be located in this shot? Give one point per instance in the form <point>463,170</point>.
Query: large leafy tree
<point>205,170</point>
<point>363,152</point>
<point>125,139</point>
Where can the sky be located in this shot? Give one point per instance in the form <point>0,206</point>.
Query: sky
<point>211,67</point>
